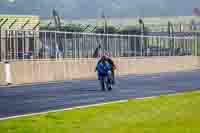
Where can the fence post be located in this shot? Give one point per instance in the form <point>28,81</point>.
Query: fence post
<point>56,46</point>
<point>197,44</point>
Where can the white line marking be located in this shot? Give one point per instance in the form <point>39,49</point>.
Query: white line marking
<point>142,98</point>
<point>61,110</point>
<point>85,106</point>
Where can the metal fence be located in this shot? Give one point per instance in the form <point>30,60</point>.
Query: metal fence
<point>32,45</point>
<point>176,27</point>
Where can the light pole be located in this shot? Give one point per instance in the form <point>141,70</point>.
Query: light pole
<point>170,34</point>
<point>142,34</point>
<point>105,32</point>
<point>141,26</point>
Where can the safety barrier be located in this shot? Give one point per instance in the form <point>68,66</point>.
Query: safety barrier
<point>2,74</point>
<point>22,72</point>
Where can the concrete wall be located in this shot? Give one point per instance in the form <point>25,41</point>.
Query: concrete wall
<point>46,70</point>
<point>2,74</point>
<point>149,65</point>
<point>43,71</point>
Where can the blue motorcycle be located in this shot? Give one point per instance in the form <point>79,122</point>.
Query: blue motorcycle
<point>106,81</point>
<point>104,75</point>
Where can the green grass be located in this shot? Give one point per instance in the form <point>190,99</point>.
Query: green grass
<point>166,114</point>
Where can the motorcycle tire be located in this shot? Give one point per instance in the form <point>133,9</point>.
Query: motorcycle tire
<point>102,84</point>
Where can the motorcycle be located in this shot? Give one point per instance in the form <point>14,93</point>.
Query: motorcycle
<point>106,82</point>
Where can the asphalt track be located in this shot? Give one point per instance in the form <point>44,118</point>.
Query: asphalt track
<point>21,100</point>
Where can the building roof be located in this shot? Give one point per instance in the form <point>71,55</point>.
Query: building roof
<point>19,22</point>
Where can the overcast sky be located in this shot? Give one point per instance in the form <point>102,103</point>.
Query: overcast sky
<point>75,9</point>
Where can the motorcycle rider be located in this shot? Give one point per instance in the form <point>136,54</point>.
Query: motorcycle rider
<point>111,62</point>
<point>103,68</point>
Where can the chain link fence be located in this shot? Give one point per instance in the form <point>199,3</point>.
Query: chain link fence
<point>35,45</point>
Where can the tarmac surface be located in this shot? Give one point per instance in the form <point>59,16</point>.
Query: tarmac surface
<point>19,100</point>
